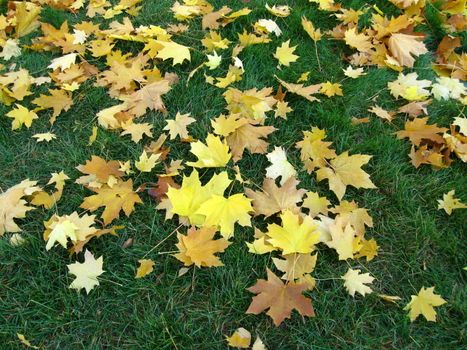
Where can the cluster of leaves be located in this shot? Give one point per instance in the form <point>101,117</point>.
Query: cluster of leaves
<point>297,220</point>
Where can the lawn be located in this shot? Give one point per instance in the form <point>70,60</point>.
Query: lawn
<point>419,244</point>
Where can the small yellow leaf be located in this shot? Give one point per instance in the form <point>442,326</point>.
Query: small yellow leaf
<point>145,268</point>
<point>285,54</point>
<point>21,116</point>
<point>145,164</point>
<point>241,338</point>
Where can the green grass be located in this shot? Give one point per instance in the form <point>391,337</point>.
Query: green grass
<point>420,246</point>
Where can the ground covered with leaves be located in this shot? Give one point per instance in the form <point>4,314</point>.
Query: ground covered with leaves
<point>206,173</point>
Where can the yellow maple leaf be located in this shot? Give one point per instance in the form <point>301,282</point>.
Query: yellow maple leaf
<point>346,170</point>
<point>423,304</point>
<point>354,281</point>
<point>215,153</point>
<point>285,54</point>
<point>87,272</point>
<point>60,233</point>
<point>293,236</point>
<point>357,40</point>
<point>308,26</point>
<point>241,338</point>
<point>46,136</point>
<point>199,248</point>
<point>136,130</point>
<point>178,126</point>
<point>331,89</point>
<point>450,203</point>
<point>187,199</point>
<point>342,239</point>
<point>145,268</point>
<point>145,164</point>
<point>225,212</point>
<point>177,52</point>
<point>21,116</point>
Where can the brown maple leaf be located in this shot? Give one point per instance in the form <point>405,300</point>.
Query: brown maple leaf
<point>417,130</point>
<point>101,169</point>
<point>148,97</point>
<point>274,199</point>
<point>279,298</point>
<point>118,197</point>
<point>249,136</point>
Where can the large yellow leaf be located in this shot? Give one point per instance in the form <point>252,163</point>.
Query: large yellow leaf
<point>285,54</point>
<point>424,303</point>
<point>354,281</point>
<point>215,153</point>
<point>225,212</point>
<point>177,52</point>
<point>87,272</point>
<point>404,47</point>
<point>187,199</point>
<point>293,236</point>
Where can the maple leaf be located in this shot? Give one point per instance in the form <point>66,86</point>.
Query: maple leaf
<point>356,282</point>
<point>100,170</point>
<point>331,89</point>
<point>199,248</point>
<point>316,204</point>
<point>87,272</point>
<point>119,197</point>
<point>249,136</point>
<point>342,239</point>
<point>417,130</point>
<point>296,235</point>
<point>252,103</point>
<point>382,113</point>
<point>187,199</point>
<point>280,166</point>
<point>346,170</point>
<point>353,73</point>
<point>172,50</point>
<point>212,155</point>
<point>21,116</point>
<point>225,212</point>
<point>301,90</point>
<point>368,250</point>
<point>285,54</point>
<point>178,126</point>
<point>60,233</point>
<point>296,266</point>
<point>148,97</point>
<point>358,40</point>
<point>404,47</point>
<point>10,49</point>
<point>145,268</point>
<point>59,101</point>
<point>357,217</point>
<point>46,136</point>
<point>450,203</point>
<point>63,62</point>
<point>241,338</point>
<point>282,108</point>
<point>424,303</point>
<point>279,298</point>
<point>273,199</point>
<point>145,164</point>
<point>136,130</point>
<point>409,87</point>
<point>12,206</point>
<point>308,26</point>
<point>278,10</point>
